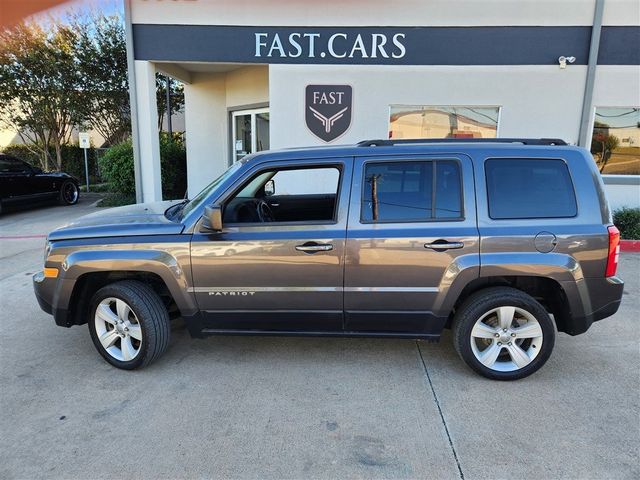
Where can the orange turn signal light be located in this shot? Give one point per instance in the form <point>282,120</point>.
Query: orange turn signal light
<point>50,272</point>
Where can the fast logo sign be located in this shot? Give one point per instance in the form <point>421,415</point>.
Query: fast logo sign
<point>328,110</point>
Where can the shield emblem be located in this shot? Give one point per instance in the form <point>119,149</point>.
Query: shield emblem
<point>328,110</point>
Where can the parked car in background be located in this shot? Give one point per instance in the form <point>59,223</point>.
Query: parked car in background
<point>21,183</point>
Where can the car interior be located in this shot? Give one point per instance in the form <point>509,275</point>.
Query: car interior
<point>286,195</point>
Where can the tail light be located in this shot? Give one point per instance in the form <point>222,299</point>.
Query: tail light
<point>614,251</point>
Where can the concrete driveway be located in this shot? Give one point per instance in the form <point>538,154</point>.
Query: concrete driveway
<point>242,407</point>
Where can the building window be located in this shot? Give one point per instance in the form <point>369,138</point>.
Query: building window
<point>419,121</point>
<point>249,131</point>
<point>615,144</point>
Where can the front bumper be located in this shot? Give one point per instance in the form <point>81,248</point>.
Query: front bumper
<point>41,294</point>
<point>44,288</point>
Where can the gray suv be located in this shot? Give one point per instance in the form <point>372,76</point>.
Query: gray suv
<point>504,241</point>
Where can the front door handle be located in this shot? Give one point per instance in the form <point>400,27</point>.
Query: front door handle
<point>442,245</point>
<point>313,247</point>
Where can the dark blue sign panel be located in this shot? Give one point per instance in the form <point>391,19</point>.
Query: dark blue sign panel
<point>382,45</point>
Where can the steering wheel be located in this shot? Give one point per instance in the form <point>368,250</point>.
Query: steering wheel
<point>265,214</point>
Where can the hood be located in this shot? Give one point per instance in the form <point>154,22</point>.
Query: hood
<point>130,220</point>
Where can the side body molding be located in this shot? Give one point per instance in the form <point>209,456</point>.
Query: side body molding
<point>156,262</point>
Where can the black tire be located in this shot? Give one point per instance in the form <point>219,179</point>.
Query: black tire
<point>69,193</point>
<point>151,314</point>
<point>483,301</point>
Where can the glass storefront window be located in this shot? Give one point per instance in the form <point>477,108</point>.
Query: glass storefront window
<point>419,121</point>
<point>615,144</point>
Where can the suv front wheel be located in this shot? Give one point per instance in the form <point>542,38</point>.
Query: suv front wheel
<point>503,333</point>
<point>129,324</point>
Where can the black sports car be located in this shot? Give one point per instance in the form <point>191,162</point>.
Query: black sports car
<point>22,183</point>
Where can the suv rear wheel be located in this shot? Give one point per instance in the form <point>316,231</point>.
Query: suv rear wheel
<point>503,333</point>
<point>129,324</point>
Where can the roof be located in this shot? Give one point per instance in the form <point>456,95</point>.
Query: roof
<point>404,147</point>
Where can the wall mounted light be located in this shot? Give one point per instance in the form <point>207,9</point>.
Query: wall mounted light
<point>562,61</point>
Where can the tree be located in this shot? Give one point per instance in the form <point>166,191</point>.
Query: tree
<point>40,96</point>
<point>176,93</point>
<point>603,144</point>
<point>102,62</point>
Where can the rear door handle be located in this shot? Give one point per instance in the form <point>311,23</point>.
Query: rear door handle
<point>313,247</point>
<point>442,245</point>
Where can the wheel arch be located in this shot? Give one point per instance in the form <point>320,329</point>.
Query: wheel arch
<point>548,291</point>
<point>84,272</point>
<point>89,283</point>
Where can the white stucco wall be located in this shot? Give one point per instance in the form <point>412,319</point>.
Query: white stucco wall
<point>535,101</point>
<point>384,12</point>
<point>623,195</point>
<point>208,99</point>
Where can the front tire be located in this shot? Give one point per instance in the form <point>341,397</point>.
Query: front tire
<point>129,324</point>
<point>503,333</point>
<point>69,193</point>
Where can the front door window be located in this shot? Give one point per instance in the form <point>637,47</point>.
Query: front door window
<point>250,132</point>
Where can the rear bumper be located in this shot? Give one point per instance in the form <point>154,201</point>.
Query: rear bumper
<point>601,298</point>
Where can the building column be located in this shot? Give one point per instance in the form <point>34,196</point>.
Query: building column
<point>148,137</point>
<point>206,128</point>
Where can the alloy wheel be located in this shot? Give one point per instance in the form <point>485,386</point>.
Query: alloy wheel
<point>506,339</point>
<point>118,329</point>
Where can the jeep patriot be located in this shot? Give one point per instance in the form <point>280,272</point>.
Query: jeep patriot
<point>505,241</point>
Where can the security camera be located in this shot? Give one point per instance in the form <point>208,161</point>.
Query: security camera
<point>562,61</point>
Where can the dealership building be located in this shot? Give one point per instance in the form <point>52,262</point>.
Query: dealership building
<point>285,73</point>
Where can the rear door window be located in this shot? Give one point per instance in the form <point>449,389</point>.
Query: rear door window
<point>529,188</point>
<point>411,191</point>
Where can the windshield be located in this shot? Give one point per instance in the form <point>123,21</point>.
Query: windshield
<point>198,199</point>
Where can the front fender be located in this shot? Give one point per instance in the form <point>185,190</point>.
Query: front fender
<point>156,262</point>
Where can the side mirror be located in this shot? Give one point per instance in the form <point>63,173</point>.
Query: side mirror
<point>36,170</point>
<point>212,219</point>
<point>269,188</point>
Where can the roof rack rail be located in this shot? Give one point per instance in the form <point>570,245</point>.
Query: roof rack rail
<point>523,141</point>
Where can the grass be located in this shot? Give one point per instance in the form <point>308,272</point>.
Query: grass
<point>96,188</point>
<point>116,200</point>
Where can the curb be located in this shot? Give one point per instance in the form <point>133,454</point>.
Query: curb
<point>630,245</point>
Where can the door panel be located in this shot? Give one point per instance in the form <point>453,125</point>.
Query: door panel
<point>280,277</point>
<point>395,271</point>
<point>316,207</point>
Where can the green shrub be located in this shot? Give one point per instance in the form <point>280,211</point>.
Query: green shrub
<point>116,167</point>
<point>628,222</point>
<point>173,159</point>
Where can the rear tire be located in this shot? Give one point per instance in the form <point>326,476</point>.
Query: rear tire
<point>503,333</point>
<point>69,193</point>
<point>129,324</point>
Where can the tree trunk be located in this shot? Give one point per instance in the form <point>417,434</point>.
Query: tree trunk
<point>58,153</point>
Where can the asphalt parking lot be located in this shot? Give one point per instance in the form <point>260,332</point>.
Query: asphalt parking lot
<point>242,407</point>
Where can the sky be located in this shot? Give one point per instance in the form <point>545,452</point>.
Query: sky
<point>107,7</point>
<point>618,117</point>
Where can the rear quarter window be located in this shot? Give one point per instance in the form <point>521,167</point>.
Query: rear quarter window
<point>529,188</point>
